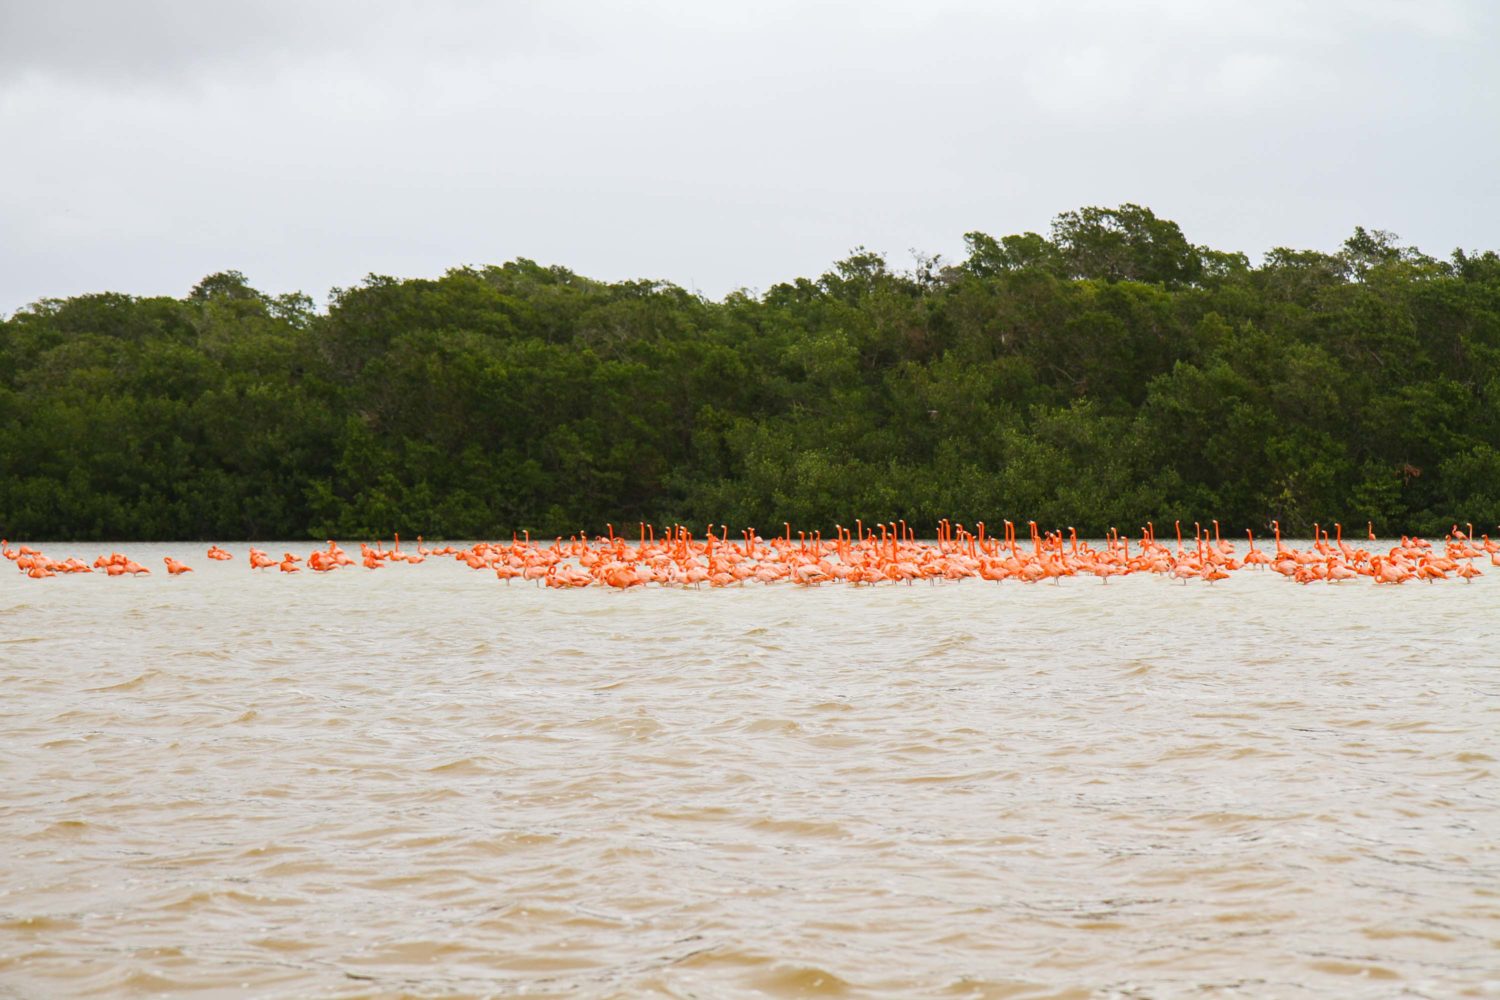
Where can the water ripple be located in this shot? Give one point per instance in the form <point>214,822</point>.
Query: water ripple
<point>434,784</point>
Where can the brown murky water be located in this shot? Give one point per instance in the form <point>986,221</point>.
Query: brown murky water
<point>425,782</point>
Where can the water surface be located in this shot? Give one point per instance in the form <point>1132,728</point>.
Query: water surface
<point>421,781</point>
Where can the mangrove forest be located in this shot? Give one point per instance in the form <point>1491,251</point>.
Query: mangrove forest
<point>1105,373</point>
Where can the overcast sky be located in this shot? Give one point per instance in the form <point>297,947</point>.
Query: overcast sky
<point>144,144</point>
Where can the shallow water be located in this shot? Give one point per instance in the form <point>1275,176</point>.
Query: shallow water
<point>421,781</point>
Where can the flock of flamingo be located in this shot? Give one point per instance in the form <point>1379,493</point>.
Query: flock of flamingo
<point>889,553</point>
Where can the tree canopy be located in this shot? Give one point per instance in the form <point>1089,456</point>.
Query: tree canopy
<point>1106,374</point>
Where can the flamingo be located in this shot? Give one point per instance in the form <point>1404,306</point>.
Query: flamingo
<point>889,552</point>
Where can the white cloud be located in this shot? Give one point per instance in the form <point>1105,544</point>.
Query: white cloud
<point>307,144</point>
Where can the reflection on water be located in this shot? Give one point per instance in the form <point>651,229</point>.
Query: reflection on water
<point>422,781</point>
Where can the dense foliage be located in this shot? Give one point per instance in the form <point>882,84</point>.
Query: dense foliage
<point>1108,373</point>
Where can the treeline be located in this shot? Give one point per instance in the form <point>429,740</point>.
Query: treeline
<point>1101,375</point>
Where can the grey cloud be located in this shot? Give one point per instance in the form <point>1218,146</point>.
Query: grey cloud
<point>121,42</point>
<point>155,42</point>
